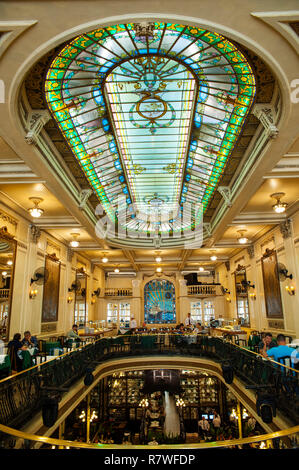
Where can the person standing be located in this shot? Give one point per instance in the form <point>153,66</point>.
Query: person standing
<point>133,324</point>
<point>189,322</point>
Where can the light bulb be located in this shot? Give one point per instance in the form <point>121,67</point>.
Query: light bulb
<point>9,263</point>
<point>243,240</point>
<point>201,269</point>
<point>213,257</point>
<point>280,207</point>
<point>159,270</point>
<point>158,259</point>
<point>36,212</point>
<point>4,273</point>
<point>116,270</point>
<point>74,243</point>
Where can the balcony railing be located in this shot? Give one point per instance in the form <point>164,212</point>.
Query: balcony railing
<point>202,290</point>
<point>121,292</point>
<point>4,293</point>
<point>22,394</point>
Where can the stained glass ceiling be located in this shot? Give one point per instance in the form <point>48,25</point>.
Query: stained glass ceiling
<point>152,116</point>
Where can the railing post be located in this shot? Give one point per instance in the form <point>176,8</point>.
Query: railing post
<point>239,419</point>
<point>88,418</point>
<point>61,433</point>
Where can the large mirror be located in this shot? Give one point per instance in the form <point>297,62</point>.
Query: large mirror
<point>80,312</point>
<point>242,296</point>
<point>8,249</point>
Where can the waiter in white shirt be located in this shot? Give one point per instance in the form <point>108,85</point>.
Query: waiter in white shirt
<point>189,322</point>
<point>133,324</point>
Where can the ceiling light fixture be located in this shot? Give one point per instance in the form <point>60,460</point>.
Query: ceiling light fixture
<point>104,258</point>
<point>158,257</point>
<point>35,211</point>
<point>201,269</point>
<point>159,270</point>
<point>242,239</point>
<point>9,262</point>
<point>279,207</point>
<point>213,257</point>
<point>74,243</point>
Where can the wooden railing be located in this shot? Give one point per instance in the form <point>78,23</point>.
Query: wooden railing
<point>121,292</point>
<point>202,290</point>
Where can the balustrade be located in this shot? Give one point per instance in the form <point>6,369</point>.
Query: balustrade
<point>202,290</point>
<point>4,293</point>
<point>22,394</point>
<point>121,292</point>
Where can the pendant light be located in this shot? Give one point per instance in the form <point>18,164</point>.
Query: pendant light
<point>242,239</point>
<point>74,242</point>
<point>279,207</point>
<point>36,211</point>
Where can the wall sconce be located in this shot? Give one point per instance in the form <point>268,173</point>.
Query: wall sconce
<point>228,299</point>
<point>69,299</point>
<point>252,295</point>
<point>290,290</point>
<point>33,293</point>
<point>93,300</point>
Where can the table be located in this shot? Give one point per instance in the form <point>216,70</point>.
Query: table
<point>5,365</point>
<point>27,357</point>
<point>49,346</point>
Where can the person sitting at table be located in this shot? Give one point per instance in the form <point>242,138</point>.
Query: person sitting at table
<point>198,328</point>
<point>266,344</point>
<point>282,350</point>
<point>28,340</point>
<point>73,333</point>
<point>13,347</point>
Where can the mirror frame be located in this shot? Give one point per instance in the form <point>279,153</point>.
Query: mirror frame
<point>238,270</point>
<point>9,237</point>
<point>81,271</point>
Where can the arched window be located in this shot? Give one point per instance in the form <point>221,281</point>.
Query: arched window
<point>159,302</point>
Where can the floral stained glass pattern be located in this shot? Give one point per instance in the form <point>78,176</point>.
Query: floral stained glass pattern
<point>151,118</point>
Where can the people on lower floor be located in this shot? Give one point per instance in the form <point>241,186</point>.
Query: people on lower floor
<point>282,351</point>
<point>73,333</point>
<point>14,347</point>
<point>266,343</point>
<point>28,340</point>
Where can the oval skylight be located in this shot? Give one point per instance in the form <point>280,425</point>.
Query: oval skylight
<point>152,113</point>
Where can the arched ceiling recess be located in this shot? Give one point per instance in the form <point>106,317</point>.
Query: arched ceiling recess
<point>152,116</point>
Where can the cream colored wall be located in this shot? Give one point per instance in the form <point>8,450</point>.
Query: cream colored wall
<point>287,250</point>
<point>25,312</point>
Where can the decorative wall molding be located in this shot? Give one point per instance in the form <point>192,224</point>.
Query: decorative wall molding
<point>286,228</point>
<point>266,115</point>
<point>11,30</point>
<point>279,20</point>
<point>35,122</point>
<point>69,254</point>
<point>84,196</point>
<point>250,251</point>
<point>35,233</point>
<point>8,218</point>
<point>52,247</point>
<point>227,265</point>
<point>225,192</point>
